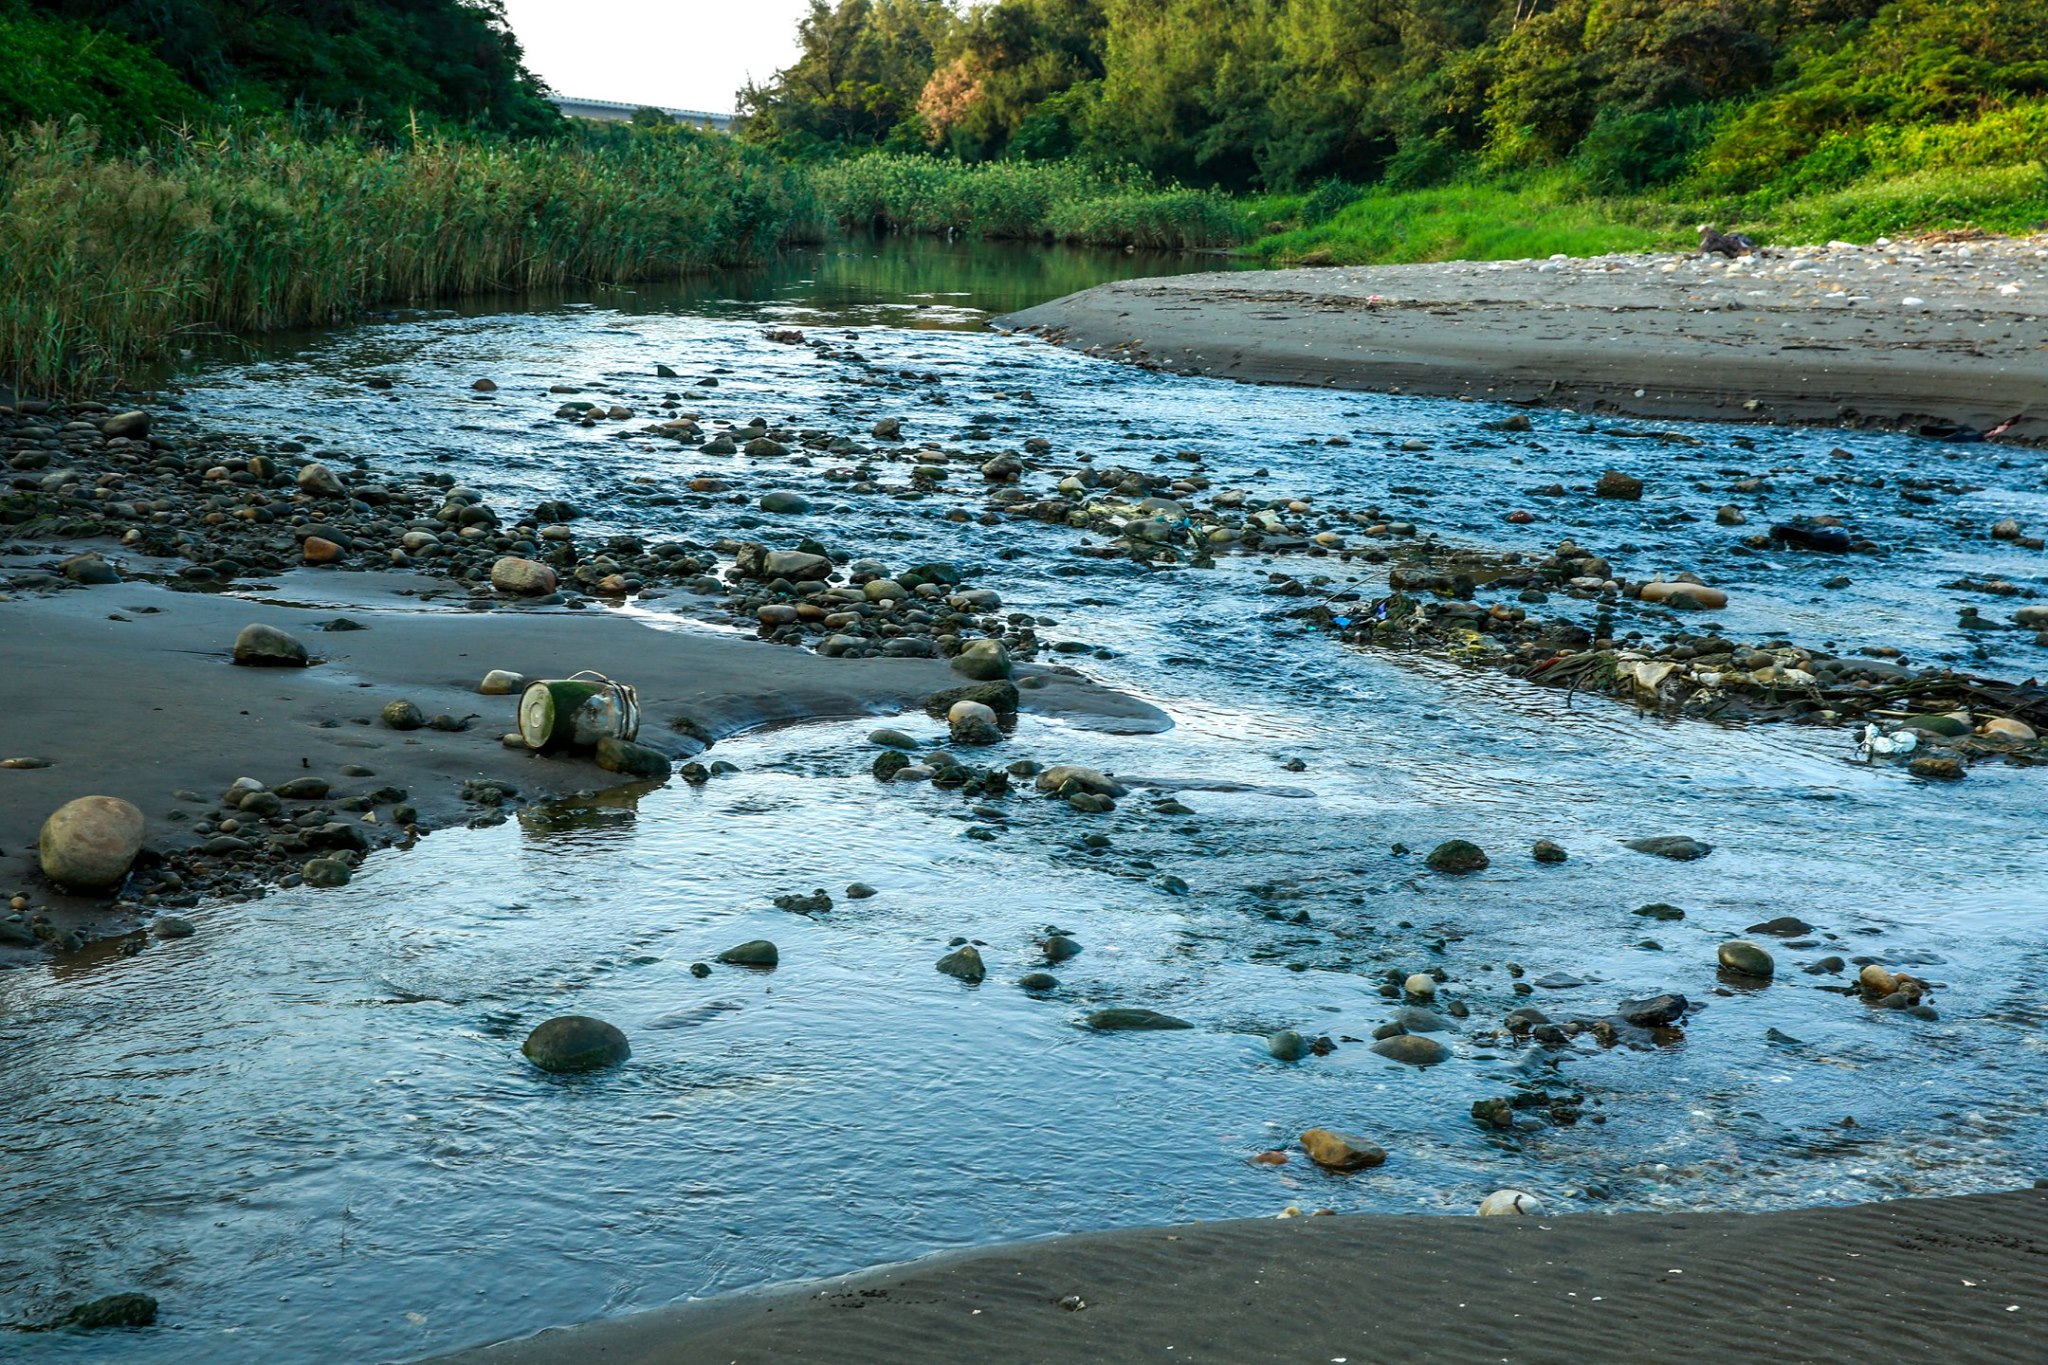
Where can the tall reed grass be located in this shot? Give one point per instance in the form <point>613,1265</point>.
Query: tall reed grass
<point>110,260</point>
<point>1022,200</point>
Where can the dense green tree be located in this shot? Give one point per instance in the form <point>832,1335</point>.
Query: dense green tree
<point>388,63</point>
<point>860,72</point>
<point>1290,94</point>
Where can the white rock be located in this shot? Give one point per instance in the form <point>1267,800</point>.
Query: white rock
<point>1510,1204</point>
<point>1421,985</point>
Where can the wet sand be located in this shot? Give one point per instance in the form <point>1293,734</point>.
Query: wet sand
<point>1896,337</point>
<point>1964,1277</point>
<point>133,695</point>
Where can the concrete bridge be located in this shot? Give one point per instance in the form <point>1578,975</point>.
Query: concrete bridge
<point>611,111</point>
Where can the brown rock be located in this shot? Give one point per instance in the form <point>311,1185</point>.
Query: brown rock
<point>318,551</point>
<point>1336,1151</point>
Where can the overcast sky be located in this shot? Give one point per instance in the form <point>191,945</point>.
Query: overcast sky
<point>679,54</point>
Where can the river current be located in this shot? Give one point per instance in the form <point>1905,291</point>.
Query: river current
<point>308,1129</point>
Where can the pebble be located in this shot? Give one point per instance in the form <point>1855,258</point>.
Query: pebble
<point>1677,847</point>
<point>1457,857</point>
<point>1744,958</point>
<point>1615,484</point>
<point>501,682</point>
<point>1547,852</point>
<point>1420,986</point>
<point>261,646</point>
<point>402,715</point>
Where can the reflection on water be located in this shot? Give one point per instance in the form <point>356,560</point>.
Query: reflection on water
<point>308,1129</point>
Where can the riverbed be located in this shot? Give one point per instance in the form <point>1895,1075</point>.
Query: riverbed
<point>308,1130</point>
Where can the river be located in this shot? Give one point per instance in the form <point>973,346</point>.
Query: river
<point>308,1129</point>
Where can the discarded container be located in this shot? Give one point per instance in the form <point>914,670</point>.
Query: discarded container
<point>577,712</point>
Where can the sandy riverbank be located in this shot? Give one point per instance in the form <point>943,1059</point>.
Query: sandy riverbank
<point>1944,1276</point>
<point>127,690</point>
<point>1903,336</point>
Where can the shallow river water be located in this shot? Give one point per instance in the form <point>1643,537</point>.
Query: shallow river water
<point>308,1129</point>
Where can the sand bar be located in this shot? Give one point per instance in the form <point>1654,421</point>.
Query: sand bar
<point>1902,336</point>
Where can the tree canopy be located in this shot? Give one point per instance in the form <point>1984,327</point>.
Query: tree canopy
<point>129,65</point>
<point>1287,93</point>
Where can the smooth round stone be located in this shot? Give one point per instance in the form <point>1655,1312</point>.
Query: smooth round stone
<point>1412,1050</point>
<point>757,952</point>
<point>575,1042</point>
<point>1547,852</point>
<point>1129,1019</point>
<point>1287,1045</point>
<point>1421,985</point>
<point>859,891</point>
<point>171,926</point>
<point>1335,1151</point>
<point>502,682</point>
<point>891,739</point>
<point>1038,981</point>
<point>261,646</point>
<point>785,504</point>
<point>1744,958</point>
<point>89,844</point>
<point>522,577</point>
<point>1510,1204</point>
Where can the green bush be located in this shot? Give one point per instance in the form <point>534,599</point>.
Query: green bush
<point>51,70</point>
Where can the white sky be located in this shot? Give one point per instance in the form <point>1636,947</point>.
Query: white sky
<point>680,54</point>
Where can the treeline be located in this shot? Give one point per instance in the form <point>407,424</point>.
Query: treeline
<point>137,69</point>
<point>1727,96</point>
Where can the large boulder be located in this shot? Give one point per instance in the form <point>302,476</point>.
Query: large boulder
<point>522,577</point>
<point>576,1042</point>
<point>89,844</point>
<point>261,646</point>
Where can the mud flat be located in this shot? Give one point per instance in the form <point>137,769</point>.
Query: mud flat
<point>1938,335</point>
<point>1814,1284</point>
